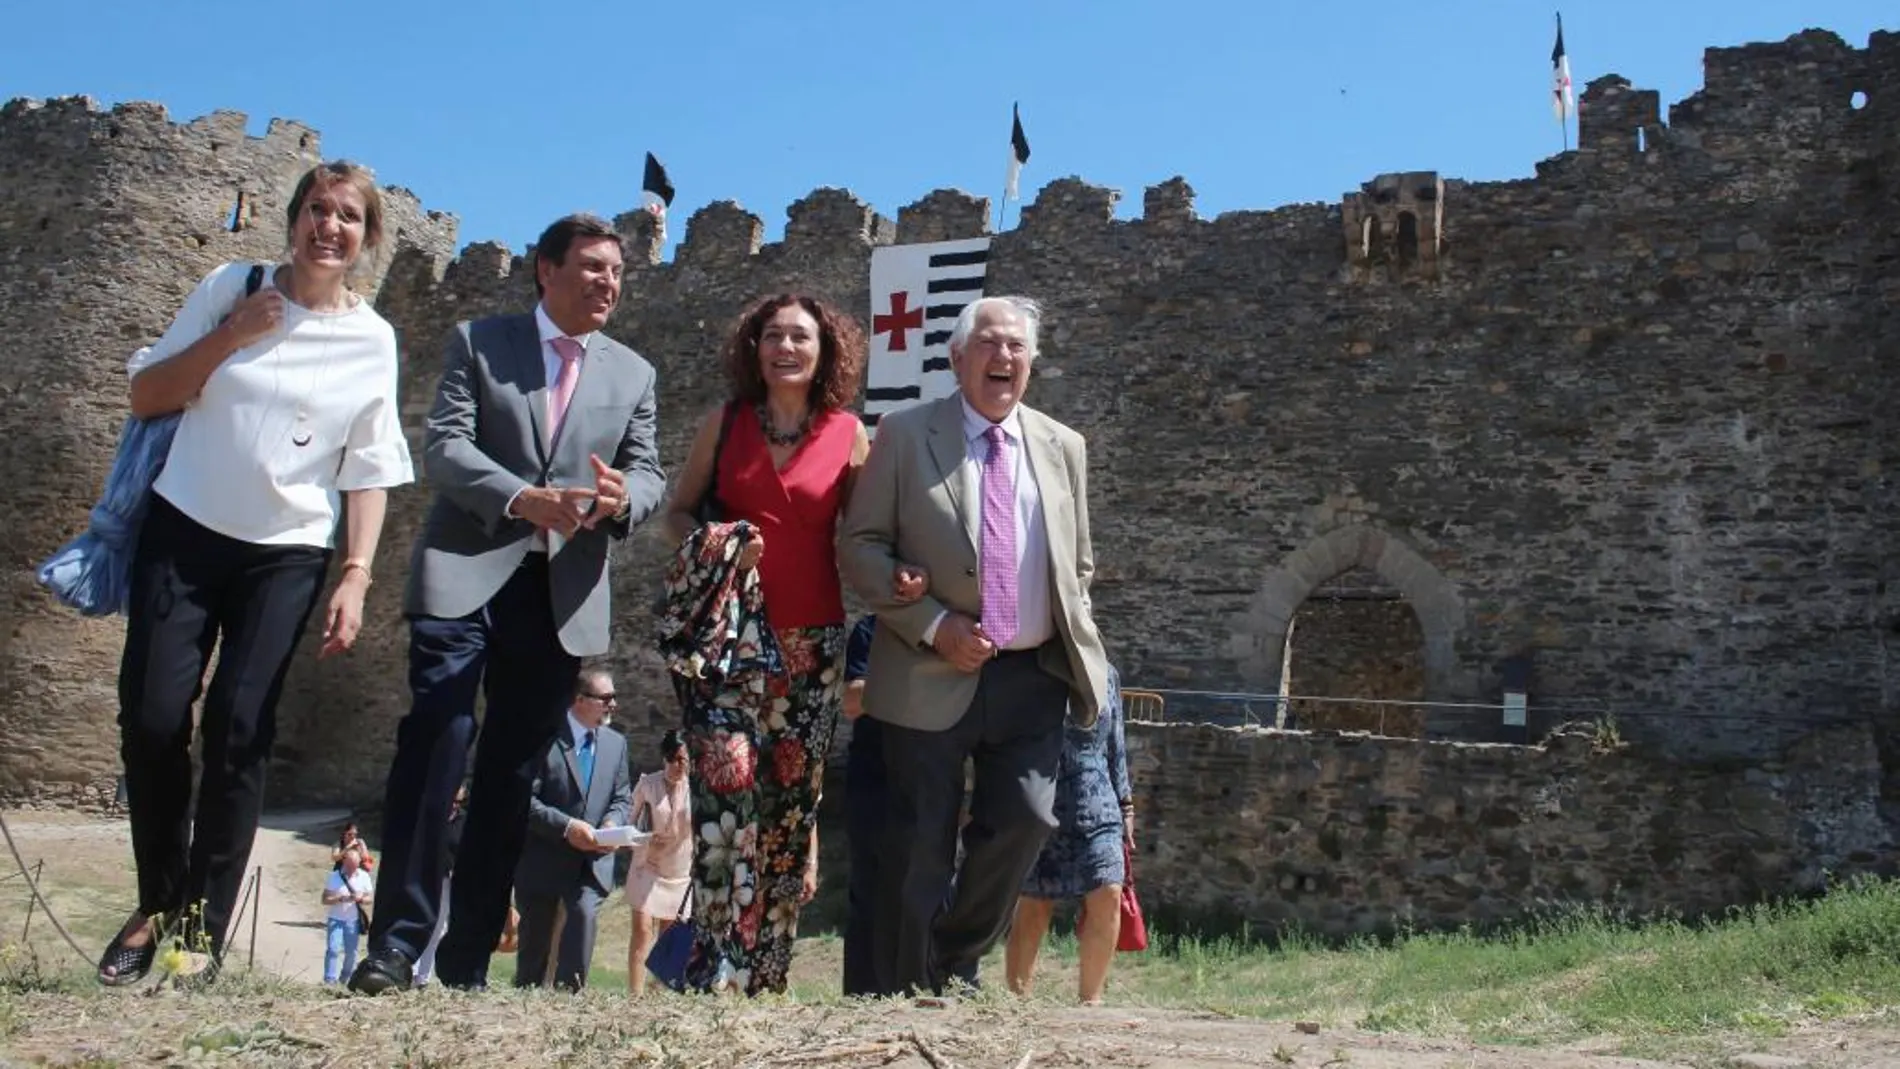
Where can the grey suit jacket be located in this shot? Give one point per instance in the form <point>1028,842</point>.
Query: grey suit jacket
<point>485,441</point>
<point>549,866</point>
<point>910,505</point>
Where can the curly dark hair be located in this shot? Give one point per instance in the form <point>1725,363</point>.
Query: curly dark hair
<point>840,352</point>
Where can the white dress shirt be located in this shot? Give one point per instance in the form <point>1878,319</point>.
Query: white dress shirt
<point>1035,615</point>
<point>285,424</point>
<point>578,732</point>
<point>551,367</point>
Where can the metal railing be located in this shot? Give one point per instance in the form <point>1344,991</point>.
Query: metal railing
<point>1144,705</point>
<point>1162,705</point>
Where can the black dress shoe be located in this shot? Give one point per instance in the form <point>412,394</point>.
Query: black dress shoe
<point>383,970</point>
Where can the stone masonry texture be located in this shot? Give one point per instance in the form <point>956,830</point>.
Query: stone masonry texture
<point>1634,419</point>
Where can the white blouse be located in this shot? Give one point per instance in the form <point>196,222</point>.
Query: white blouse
<point>286,423</point>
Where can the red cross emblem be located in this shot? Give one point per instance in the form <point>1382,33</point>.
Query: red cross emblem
<point>901,318</point>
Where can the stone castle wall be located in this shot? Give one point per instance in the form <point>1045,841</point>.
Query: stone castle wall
<point>1340,835</point>
<point>1635,418</point>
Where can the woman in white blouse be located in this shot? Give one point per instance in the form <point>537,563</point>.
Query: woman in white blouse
<point>289,406</point>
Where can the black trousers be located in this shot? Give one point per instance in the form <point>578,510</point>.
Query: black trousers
<point>510,651</point>
<point>192,589</point>
<point>936,920</point>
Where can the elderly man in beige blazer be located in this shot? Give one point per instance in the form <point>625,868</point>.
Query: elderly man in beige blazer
<point>991,497</point>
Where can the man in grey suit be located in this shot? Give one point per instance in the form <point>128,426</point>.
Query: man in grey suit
<point>581,784</point>
<point>991,497</point>
<point>541,448</point>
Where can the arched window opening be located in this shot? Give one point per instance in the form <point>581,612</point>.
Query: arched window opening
<point>1408,238</point>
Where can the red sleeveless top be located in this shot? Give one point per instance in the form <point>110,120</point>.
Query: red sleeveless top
<point>796,509</point>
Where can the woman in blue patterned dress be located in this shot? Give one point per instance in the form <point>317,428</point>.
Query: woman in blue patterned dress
<point>1084,856</point>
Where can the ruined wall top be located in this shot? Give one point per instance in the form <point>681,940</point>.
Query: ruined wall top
<point>1758,99</point>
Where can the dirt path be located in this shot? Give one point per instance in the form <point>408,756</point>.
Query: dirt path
<point>293,853</point>
<point>543,1028</point>
<point>87,869</point>
<point>86,872</point>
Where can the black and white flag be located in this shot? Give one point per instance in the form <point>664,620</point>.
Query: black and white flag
<point>1562,102</point>
<point>917,292</point>
<point>656,189</point>
<point>1018,154</point>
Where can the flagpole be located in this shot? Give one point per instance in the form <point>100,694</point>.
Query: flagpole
<point>1002,208</point>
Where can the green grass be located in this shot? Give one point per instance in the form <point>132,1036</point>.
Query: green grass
<point>1760,970</point>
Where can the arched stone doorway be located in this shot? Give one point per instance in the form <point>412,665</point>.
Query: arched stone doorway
<point>1261,639</point>
<point>1355,637</point>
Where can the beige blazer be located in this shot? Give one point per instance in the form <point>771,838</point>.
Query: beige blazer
<point>910,505</point>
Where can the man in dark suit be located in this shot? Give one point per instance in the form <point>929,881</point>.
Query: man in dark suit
<point>541,448</point>
<point>581,784</point>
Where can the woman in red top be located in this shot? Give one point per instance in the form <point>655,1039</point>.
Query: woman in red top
<point>781,455</point>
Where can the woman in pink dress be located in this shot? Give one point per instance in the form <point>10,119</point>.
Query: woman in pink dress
<point>662,872</point>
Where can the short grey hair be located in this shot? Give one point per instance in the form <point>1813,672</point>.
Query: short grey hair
<point>1026,307</point>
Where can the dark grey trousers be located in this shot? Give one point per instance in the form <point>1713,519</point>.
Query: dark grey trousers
<point>577,914</point>
<point>930,928</point>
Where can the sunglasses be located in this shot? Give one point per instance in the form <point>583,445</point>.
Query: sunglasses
<point>604,699</point>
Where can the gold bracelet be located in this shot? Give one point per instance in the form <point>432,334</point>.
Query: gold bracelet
<point>359,566</point>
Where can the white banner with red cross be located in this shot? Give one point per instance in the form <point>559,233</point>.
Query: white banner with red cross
<point>917,291</point>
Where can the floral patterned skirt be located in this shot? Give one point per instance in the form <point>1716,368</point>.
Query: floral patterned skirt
<point>758,768</point>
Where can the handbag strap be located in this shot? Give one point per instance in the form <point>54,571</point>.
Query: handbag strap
<point>253,281</point>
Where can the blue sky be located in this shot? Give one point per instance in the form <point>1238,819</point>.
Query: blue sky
<point>510,114</point>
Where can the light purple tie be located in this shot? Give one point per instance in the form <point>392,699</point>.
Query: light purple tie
<point>999,540</point>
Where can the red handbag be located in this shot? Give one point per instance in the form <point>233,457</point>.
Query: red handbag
<point>1134,933</point>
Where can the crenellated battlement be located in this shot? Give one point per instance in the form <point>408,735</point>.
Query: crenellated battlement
<point>28,118</point>
<point>1068,203</point>
<point>1169,205</point>
<point>1765,112</point>
<point>944,215</point>
<point>828,217</point>
<point>1758,101</point>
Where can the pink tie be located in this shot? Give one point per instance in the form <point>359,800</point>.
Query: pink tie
<point>562,390</point>
<point>999,541</point>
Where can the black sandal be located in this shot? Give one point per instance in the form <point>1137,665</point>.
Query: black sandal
<point>129,965</point>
